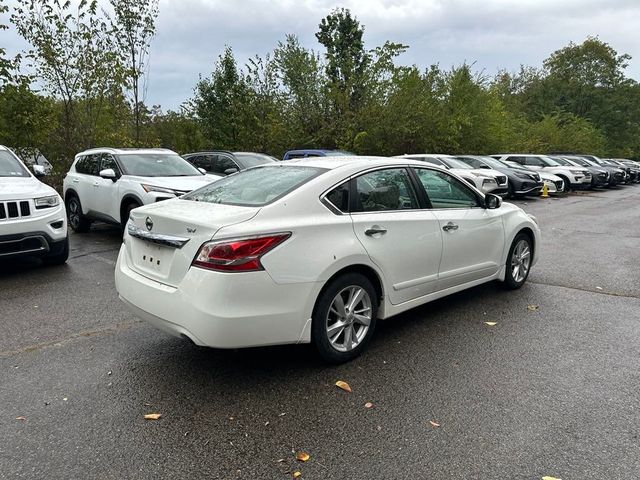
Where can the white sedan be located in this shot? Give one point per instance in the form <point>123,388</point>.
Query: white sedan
<point>316,251</point>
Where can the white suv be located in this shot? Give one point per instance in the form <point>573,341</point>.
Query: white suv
<point>32,219</point>
<point>107,183</point>
<point>573,177</point>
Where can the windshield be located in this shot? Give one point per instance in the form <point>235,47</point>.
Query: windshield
<point>157,165</point>
<point>562,161</point>
<point>580,161</point>
<point>495,163</point>
<point>549,162</point>
<point>10,166</point>
<point>256,187</point>
<point>252,159</point>
<point>455,163</point>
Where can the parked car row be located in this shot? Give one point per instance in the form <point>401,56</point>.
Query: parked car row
<point>237,249</point>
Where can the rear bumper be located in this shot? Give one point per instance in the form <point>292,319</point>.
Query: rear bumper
<point>220,310</point>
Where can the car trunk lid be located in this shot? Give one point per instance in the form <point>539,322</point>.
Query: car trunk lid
<point>165,237</point>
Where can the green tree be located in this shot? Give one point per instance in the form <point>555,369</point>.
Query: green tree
<point>76,61</point>
<point>347,60</point>
<point>133,28</point>
<point>220,104</point>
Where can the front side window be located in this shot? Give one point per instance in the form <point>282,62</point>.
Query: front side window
<point>384,190</point>
<point>157,165</point>
<point>255,187</point>
<point>202,161</point>
<point>108,161</point>
<point>444,191</point>
<point>10,166</point>
<point>222,163</point>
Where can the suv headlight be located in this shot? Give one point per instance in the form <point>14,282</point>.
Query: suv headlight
<point>153,188</point>
<point>47,202</point>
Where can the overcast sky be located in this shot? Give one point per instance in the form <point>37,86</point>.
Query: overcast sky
<point>492,33</point>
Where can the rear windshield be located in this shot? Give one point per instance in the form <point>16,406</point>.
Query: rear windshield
<point>157,165</point>
<point>10,166</point>
<point>255,187</point>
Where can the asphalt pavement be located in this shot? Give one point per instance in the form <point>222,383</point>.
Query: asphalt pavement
<point>552,389</point>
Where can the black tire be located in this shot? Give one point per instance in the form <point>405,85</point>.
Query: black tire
<point>60,256</point>
<point>77,221</point>
<point>126,210</point>
<point>319,335</point>
<point>510,282</point>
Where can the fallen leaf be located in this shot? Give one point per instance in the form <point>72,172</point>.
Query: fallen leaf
<point>434,424</point>
<point>343,385</point>
<point>491,324</point>
<point>368,405</point>
<point>266,423</point>
<point>302,456</point>
<point>65,399</point>
<point>21,418</point>
<point>297,474</point>
<point>532,308</point>
<point>281,460</point>
<point>551,478</point>
<point>152,416</point>
<point>598,288</point>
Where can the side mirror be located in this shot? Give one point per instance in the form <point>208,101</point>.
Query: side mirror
<point>39,170</point>
<point>202,170</point>
<point>230,171</point>
<point>109,173</point>
<point>492,201</point>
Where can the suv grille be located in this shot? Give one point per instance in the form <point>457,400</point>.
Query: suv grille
<point>10,210</point>
<point>559,185</point>
<point>502,179</point>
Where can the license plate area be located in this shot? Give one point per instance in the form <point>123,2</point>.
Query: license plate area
<point>151,258</point>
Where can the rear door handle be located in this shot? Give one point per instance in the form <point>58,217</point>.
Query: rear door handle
<point>75,180</point>
<point>96,184</point>
<point>375,229</point>
<point>450,226</point>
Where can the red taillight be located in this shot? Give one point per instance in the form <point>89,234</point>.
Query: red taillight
<point>242,255</point>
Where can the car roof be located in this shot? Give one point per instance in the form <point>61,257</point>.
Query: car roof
<point>204,152</point>
<point>125,151</point>
<point>355,161</point>
<point>313,150</point>
<point>2,147</point>
<point>426,155</point>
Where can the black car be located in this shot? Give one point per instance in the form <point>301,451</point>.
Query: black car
<point>631,163</point>
<point>521,181</point>
<point>632,171</point>
<point>599,176</point>
<point>616,175</point>
<point>222,162</point>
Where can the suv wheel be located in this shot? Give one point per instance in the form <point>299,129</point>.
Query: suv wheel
<point>126,210</point>
<point>77,221</point>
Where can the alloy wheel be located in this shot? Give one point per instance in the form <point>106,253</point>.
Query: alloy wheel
<point>74,213</point>
<point>348,318</point>
<point>520,261</point>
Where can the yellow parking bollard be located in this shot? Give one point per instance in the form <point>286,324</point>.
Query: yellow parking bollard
<point>545,191</point>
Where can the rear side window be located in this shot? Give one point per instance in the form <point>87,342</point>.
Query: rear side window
<point>339,197</point>
<point>88,165</point>
<point>384,190</point>
<point>255,187</point>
